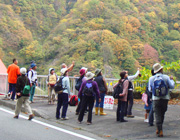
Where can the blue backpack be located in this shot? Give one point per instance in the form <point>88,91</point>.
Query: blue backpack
<point>159,88</point>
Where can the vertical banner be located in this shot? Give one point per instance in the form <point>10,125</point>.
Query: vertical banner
<point>108,102</point>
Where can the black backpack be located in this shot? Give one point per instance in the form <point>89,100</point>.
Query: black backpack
<point>78,83</point>
<point>58,87</point>
<point>28,70</point>
<point>88,89</point>
<point>117,90</point>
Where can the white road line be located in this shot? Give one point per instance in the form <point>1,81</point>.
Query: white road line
<point>51,126</point>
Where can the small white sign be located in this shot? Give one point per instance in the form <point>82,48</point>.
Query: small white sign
<point>108,102</point>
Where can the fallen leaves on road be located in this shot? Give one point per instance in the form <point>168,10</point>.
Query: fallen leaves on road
<point>77,128</point>
<point>46,128</point>
<point>107,136</point>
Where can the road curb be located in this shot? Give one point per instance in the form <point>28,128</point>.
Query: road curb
<point>13,106</point>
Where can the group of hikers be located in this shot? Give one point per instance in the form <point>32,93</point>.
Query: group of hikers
<point>92,87</point>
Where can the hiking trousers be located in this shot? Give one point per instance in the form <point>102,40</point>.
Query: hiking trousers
<point>79,105</point>
<point>32,92</point>
<point>120,110</point>
<point>23,100</point>
<point>129,103</point>
<point>51,94</point>
<point>102,95</point>
<point>12,90</point>
<point>62,100</point>
<point>160,107</point>
<point>151,115</point>
<point>86,100</point>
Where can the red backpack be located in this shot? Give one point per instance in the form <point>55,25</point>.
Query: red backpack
<point>73,100</point>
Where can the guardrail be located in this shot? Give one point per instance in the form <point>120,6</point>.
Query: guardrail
<point>42,89</point>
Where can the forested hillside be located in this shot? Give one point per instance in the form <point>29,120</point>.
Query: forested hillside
<point>110,34</point>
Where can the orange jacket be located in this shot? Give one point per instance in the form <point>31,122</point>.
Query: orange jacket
<point>13,72</point>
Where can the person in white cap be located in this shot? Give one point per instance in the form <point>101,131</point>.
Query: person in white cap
<point>63,97</point>
<point>159,85</point>
<point>22,92</point>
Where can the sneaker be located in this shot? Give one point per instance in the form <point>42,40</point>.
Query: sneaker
<point>31,117</point>
<point>88,123</point>
<point>78,122</point>
<point>31,102</point>
<point>146,120</point>
<point>16,117</point>
<point>66,118</point>
<point>77,113</point>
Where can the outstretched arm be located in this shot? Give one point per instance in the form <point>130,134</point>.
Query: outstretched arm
<point>132,77</point>
<point>70,68</point>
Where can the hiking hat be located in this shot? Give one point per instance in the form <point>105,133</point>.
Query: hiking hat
<point>33,65</point>
<point>97,71</point>
<point>89,75</point>
<point>23,71</point>
<point>51,70</point>
<point>82,72</point>
<point>157,67</point>
<point>63,70</point>
<point>85,69</point>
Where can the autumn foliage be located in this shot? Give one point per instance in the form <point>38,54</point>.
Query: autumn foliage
<point>119,34</point>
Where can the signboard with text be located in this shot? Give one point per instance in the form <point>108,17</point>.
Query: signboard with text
<point>108,102</point>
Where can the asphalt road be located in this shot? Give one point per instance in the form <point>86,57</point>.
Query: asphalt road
<point>23,129</point>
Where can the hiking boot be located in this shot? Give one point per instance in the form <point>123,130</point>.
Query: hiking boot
<point>31,117</point>
<point>130,116</point>
<point>16,117</point>
<point>96,110</point>
<point>101,112</point>
<point>157,131</point>
<point>151,124</point>
<point>160,133</point>
<point>123,121</point>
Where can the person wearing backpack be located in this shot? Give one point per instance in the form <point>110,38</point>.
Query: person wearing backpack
<point>103,91</point>
<point>22,92</point>
<point>32,75</point>
<point>90,90</point>
<point>51,81</point>
<point>63,95</point>
<point>122,100</point>
<point>78,86</point>
<point>159,85</point>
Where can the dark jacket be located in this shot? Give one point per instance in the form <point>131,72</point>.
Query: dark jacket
<point>21,82</point>
<point>101,84</point>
